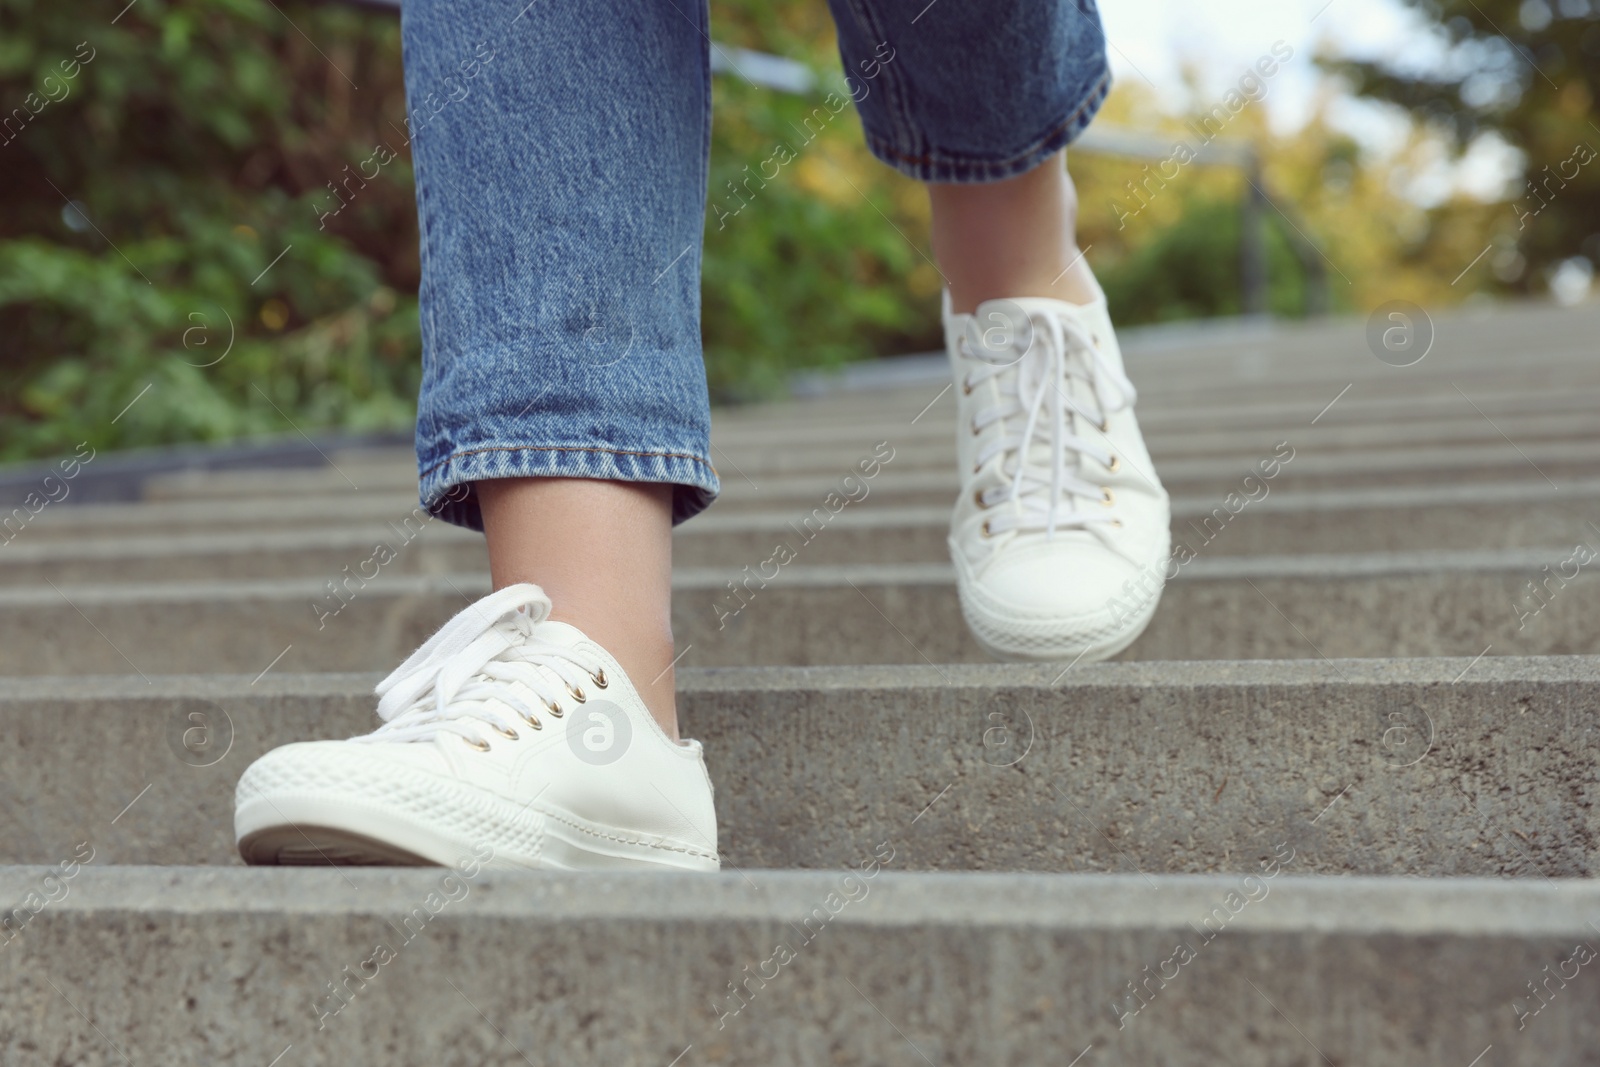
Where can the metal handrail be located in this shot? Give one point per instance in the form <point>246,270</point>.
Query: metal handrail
<point>778,73</point>
<point>1253,282</point>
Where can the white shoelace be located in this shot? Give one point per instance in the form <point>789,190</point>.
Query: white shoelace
<point>471,677</point>
<point>1033,387</point>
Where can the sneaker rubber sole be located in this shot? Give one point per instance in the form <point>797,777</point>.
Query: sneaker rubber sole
<point>384,820</point>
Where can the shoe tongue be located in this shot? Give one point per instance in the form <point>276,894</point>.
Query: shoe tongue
<point>995,310</point>
<point>559,633</point>
<point>998,325</point>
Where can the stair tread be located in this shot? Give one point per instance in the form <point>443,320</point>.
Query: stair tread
<point>1417,907</point>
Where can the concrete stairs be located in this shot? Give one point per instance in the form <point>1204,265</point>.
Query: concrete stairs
<point>1337,805</point>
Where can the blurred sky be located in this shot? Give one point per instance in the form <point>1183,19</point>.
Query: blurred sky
<point>1155,40</point>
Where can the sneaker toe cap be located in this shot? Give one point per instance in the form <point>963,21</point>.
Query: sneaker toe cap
<point>1054,599</point>
<point>335,766</point>
<point>1057,580</point>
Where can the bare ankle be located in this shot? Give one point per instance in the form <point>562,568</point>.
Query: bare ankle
<point>1011,238</point>
<point>602,553</point>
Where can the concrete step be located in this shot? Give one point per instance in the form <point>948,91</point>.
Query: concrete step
<point>889,416</point>
<point>1448,516</point>
<point>1375,441</point>
<point>1387,519</point>
<point>1555,463</point>
<point>393,513</point>
<point>240,552</point>
<point>1511,514</point>
<point>1285,362</point>
<point>839,427</point>
<point>236,967</point>
<point>1435,766</point>
<point>1286,607</point>
<point>931,444</point>
<point>1185,394</point>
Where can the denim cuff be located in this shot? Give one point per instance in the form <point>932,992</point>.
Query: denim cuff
<point>447,488</point>
<point>935,164</point>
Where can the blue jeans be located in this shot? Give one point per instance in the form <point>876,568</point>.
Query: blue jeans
<point>561,151</point>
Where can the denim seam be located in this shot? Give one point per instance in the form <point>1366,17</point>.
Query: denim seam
<point>426,322</point>
<point>1093,98</point>
<point>894,87</point>
<point>702,162</point>
<point>704,159</point>
<point>569,448</point>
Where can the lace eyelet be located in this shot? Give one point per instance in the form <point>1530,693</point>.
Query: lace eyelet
<point>555,710</point>
<point>1105,425</point>
<point>509,735</point>
<point>1109,497</point>
<point>966,387</point>
<point>533,724</point>
<point>977,498</point>
<point>599,680</point>
<point>577,694</point>
<point>478,743</point>
<point>986,531</point>
<point>1115,465</point>
<point>975,430</point>
<point>1117,523</point>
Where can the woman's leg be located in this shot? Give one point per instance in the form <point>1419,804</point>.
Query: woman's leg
<point>1059,535</point>
<point>564,405</point>
<point>560,155</point>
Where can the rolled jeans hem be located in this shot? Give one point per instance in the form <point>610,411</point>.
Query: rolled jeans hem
<point>447,487</point>
<point>938,165</point>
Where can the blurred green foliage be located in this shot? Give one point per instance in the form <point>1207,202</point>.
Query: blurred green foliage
<point>152,168</point>
<point>1189,270</point>
<point>802,269</point>
<point>165,170</point>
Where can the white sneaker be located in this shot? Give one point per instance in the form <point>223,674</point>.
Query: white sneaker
<point>505,733</point>
<point>1061,534</point>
